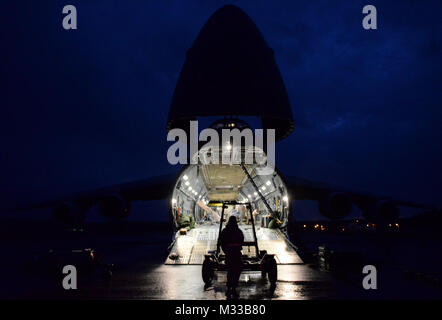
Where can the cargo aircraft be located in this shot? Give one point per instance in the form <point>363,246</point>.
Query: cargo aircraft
<point>229,75</point>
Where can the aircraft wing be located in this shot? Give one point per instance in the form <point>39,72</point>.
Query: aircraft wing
<point>336,202</point>
<point>153,188</point>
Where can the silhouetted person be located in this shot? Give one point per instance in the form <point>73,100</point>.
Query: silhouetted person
<point>231,240</point>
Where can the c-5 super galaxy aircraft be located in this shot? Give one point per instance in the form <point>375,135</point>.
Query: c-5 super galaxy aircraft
<point>229,75</point>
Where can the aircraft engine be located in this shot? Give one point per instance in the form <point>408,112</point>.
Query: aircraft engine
<point>68,213</point>
<point>335,206</point>
<point>114,206</point>
<point>381,211</point>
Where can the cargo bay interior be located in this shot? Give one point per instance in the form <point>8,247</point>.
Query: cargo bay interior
<point>197,224</point>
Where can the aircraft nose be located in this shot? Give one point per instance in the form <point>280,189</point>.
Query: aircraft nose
<point>230,27</point>
<point>231,70</point>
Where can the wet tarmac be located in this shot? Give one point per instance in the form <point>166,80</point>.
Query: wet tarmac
<point>140,273</point>
<point>295,282</point>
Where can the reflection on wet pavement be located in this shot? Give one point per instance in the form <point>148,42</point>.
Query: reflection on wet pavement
<point>139,271</point>
<point>185,282</point>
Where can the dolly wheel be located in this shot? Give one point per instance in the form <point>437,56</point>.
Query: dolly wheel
<point>264,270</point>
<point>263,273</point>
<point>207,271</point>
<point>272,271</point>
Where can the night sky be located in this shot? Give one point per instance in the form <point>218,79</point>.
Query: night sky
<point>88,107</point>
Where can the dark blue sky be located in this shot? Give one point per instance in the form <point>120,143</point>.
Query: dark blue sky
<point>88,108</point>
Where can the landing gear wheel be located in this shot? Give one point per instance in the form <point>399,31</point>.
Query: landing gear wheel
<point>272,271</point>
<point>208,272</point>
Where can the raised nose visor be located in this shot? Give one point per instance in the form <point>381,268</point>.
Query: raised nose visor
<point>231,71</point>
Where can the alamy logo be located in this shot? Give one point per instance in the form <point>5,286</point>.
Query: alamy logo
<point>229,147</point>
<point>370,20</point>
<point>70,280</point>
<point>370,280</point>
<point>70,20</point>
